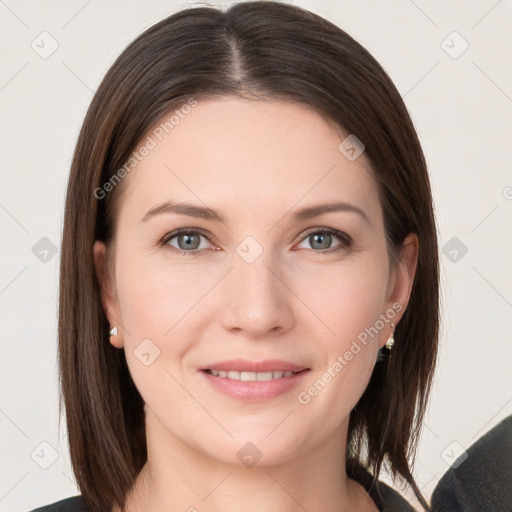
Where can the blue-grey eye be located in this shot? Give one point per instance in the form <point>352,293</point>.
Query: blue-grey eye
<point>187,241</point>
<point>321,240</point>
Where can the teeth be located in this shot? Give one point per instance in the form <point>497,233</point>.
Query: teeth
<point>250,376</point>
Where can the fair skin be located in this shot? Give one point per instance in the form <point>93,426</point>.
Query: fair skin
<point>256,163</point>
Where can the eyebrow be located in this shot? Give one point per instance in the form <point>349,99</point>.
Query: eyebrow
<point>201,212</point>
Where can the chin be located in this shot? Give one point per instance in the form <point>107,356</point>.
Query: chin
<point>255,449</point>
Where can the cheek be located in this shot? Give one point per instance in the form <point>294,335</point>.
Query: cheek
<point>347,297</point>
<point>349,301</point>
<point>156,298</point>
<point>159,306</point>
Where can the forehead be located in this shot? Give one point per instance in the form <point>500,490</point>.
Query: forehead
<point>244,156</point>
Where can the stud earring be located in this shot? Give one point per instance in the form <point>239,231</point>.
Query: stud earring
<point>391,339</point>
<point>113,331</point>
<point>385,352</point>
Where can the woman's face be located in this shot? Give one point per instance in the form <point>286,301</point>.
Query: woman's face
<point>246,281</point>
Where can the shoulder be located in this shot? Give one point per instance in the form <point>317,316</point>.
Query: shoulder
<point>73,504</point>
<point>387,499</point>
<point>481,478</point>
<point>391,500</point>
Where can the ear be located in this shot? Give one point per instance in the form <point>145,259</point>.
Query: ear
<point>108,296</point>
<point>401,281</point>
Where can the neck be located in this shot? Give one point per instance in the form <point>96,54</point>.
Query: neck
<point>178,477</point>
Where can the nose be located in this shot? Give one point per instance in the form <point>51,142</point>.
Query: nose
<point>257,298</point>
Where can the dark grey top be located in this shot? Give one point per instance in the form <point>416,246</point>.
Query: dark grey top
<point>483,480</point>
<point>74,504</point>
<point>386,499</point>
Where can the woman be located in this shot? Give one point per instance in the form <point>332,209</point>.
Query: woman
<point>249,278</point>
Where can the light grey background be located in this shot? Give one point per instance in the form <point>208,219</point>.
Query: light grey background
<point>461,106</point>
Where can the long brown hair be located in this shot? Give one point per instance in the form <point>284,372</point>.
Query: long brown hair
<point>261,50</point>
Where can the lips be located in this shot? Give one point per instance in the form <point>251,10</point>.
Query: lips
<point>254,381</point>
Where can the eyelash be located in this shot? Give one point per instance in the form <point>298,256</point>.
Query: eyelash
<point>343,237</point>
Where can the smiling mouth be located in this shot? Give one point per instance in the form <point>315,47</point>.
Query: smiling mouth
<point>252,376</point>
